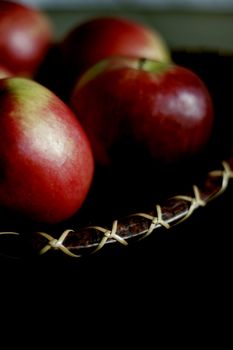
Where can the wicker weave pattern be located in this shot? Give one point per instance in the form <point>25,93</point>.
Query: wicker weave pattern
<point>113,234</point>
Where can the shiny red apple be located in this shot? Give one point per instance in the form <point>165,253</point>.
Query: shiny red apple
<point>166,109</point>
<point>46,163</point>
<point>25,36</point>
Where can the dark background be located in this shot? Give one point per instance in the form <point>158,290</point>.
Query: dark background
<point>183,273</point>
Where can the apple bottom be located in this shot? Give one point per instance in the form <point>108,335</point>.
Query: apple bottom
<point>44,194</point>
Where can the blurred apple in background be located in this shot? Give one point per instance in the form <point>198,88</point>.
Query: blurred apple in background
<point>93,40</point>
<point>164,108</point>
<point>102,37</point>
<point>25,36</point>
<point>46,163</point>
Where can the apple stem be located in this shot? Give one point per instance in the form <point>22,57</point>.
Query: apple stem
<point>141,63</point>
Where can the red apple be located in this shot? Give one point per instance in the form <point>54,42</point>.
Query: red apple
<point>46,164</point>
<point>164,108</point>
<point>25,36</point>
<point>101,37</point>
